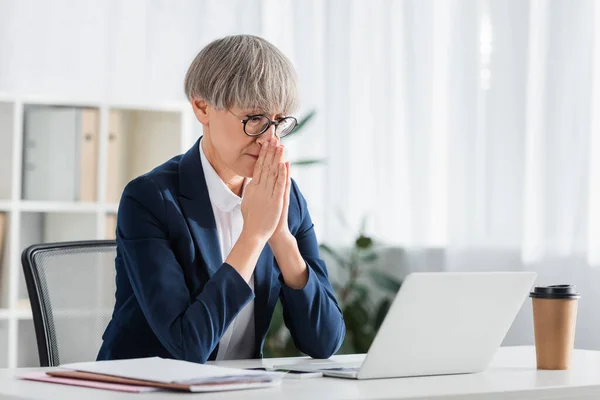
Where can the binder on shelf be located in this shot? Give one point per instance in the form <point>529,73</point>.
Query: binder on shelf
<point>111,226</point>
<point>3,226</point>
<point>4,278</point>
<point>113,161</point>
<point>23,304</point>
<point>50,148</point>
<point>59,162</point>
<point>88,155</point>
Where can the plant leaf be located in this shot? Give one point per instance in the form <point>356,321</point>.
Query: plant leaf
<point>336,256</point>
<point>363,225</point>
<point>307,118</point>
<point>362,341</point>
<point>347,345</point>
<point>364,242</point>
<point>276,319</point>
<point>307,162</point>
<point>302,123</point>
<point>368,256</point>
<point>360,291</point>
<point>385,281</point>
<point>381,312</point>
<point>274,346</point>
<point>356,315</point>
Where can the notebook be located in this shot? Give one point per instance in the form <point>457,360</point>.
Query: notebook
<point>43,377</point>
<point>170,374</point>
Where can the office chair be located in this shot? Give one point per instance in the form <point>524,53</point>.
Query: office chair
<point>71,288</point>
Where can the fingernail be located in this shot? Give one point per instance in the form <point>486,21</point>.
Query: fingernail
<point>265,144</point>
<point>272,143</point>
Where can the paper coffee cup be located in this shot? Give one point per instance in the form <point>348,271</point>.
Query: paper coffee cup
<point>554,320</point>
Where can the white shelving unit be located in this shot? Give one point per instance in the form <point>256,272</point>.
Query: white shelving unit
<point>151,134</point>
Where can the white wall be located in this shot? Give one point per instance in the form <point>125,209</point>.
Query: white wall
<point>125,51</point>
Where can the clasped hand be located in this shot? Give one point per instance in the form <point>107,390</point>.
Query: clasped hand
<point>266,198</point>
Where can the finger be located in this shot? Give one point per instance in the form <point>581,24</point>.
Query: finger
<point>267,167</point>
<point>288,183</point>
<point>279,187</point>
<point>256,175</point>
<point>282,158</point>
<point>279,156</point>
<point>275,139</point>
<point>274,172</point>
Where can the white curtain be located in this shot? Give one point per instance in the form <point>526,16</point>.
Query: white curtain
<point>455,124</point>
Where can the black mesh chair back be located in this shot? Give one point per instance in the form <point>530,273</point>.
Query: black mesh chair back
<point>71,288</point>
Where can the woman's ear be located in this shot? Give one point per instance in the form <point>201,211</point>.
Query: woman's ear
<point>200,110</point>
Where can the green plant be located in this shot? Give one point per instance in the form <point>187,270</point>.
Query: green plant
<point>363,312</point>
<point>301,125</point>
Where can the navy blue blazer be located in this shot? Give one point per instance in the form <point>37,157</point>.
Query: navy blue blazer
<point>176,297</point>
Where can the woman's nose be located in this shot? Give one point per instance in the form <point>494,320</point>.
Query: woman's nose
<point>268,135</point>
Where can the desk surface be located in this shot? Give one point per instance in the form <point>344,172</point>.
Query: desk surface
<point>512,375</point>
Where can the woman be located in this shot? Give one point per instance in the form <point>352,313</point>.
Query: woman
<point>209,241</point>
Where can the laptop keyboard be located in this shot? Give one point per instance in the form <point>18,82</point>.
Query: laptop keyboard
<point>343,369</point>
<point>324,366</point>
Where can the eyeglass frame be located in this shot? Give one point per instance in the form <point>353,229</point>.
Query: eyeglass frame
<point>271,122</point>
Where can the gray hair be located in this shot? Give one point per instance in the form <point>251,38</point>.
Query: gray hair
<point>245,71</point>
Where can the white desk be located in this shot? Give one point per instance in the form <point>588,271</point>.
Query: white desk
<point>512,375</point>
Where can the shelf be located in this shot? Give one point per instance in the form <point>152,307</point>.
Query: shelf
<point>111,208</point>
<point>132,140</point>
<point>5,205</point>
<point>4,343</point>
<point>6,250</point>
<point>53,101</point>
<point>26,314</point>
<point>54,206</point>
<point>169,107</point>
<point>93,103</point>
<point>23,314</point>
<point>42,101</point>
<point>6,148</point>
<point>27,352</point>
<point>7,97</point>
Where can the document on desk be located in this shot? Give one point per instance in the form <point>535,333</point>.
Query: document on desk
<point>43,377</point>
<point>170,374</point>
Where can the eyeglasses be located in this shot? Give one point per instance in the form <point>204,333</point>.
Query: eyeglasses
<point>256,125</point>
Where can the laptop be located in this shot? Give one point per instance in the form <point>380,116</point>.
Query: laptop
<point>439,323</point>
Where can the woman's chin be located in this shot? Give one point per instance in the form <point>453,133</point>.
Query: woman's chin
<point>247,169</point>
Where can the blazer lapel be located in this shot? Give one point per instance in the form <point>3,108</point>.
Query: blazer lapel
<point>262,278</point>
<point>263,283</point>
<point>197,208</point>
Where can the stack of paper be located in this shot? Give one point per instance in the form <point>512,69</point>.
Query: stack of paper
<point>169,374</point>
<point>118,387</point>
